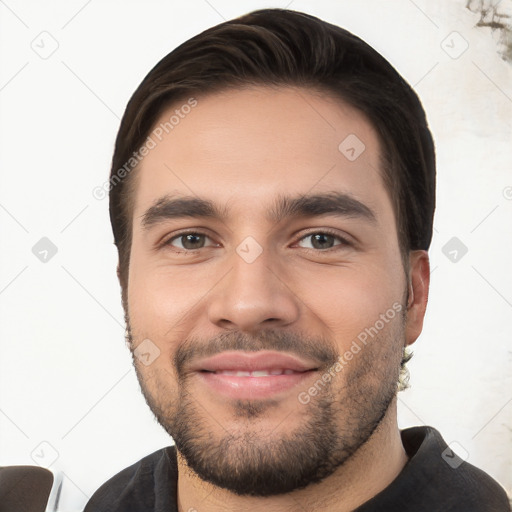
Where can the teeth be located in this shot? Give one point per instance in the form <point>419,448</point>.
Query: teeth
<point>262,373</point>
<point>256,373</point>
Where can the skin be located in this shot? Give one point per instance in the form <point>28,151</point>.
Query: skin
<point>241,149</point>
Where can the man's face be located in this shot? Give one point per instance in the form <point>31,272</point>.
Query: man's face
<point>254,314</point>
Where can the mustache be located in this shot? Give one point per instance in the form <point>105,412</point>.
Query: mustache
<point>300,344</point>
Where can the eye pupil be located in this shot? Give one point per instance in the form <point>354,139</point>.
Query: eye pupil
<point>322,241</point>
<point>192,241</point>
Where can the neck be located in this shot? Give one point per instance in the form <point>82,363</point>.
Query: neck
<point>370,470</point>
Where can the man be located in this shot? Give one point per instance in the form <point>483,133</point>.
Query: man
<point>272,197</point>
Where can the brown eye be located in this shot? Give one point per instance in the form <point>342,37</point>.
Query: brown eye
<point>322,240</point>
<point>189,241</point>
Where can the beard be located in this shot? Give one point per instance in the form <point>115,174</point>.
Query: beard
<point>249,459</point>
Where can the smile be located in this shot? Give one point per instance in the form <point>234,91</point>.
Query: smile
<point>255,373</point>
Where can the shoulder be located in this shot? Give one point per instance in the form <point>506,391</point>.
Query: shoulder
<point>458,484</point>
<point>143,486</point>
<point>437,478</point>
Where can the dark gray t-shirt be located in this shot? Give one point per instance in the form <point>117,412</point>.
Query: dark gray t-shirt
<point>433,480</point>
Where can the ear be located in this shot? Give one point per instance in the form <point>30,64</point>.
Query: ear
<point>419,281</point>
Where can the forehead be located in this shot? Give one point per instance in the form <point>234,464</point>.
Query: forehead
<point>247,146</point>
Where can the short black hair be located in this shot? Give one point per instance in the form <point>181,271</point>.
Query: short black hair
<point>280,47</point>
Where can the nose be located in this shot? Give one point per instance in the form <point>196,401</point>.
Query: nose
<point>253,296</point>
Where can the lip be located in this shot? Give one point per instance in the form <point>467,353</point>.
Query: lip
<point>253,387</point>
<point>253,361</point>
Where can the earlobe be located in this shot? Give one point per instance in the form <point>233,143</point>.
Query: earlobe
<point>419,281</point>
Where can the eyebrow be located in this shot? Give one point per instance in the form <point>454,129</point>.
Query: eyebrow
<point>284,207</point>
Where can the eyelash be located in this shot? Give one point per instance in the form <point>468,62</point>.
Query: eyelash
<point>343,241</point>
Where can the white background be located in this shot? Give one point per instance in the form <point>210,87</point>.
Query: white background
<point>65,374</point>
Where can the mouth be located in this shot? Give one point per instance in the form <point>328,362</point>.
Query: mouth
<point>253,375</point>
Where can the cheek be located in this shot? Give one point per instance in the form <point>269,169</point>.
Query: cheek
<point>162,300</point>
<point>348,300</point>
